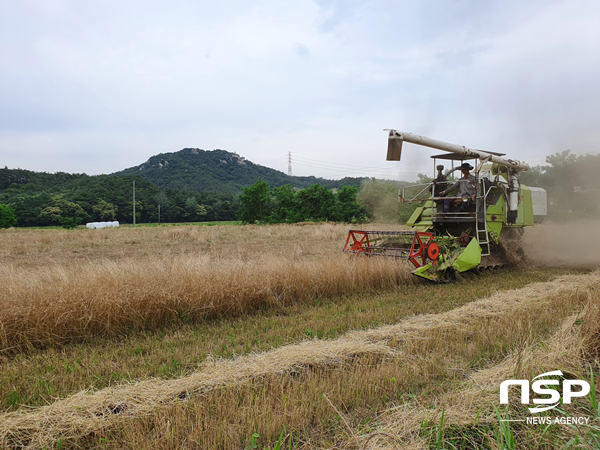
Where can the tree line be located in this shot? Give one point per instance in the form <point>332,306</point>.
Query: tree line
<point>42,199</point>
<point>285,204</point>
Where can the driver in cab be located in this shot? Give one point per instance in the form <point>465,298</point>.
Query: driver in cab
<point>466,185</point>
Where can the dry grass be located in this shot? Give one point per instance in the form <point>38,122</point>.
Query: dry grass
<point>470,407</point>
<point>30,249</point>
<point>247,268</point>
<point>39,376</point>
<point>419,354</point>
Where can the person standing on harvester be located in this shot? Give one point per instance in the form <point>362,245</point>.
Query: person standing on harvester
<point>440,181</point>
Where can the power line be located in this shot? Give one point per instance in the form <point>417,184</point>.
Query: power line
<point>353,169</point>
<point>327,168</point>
<point>357,172</point>
<point>279,159</point>
<point>337,164</point>
<point>353,166</point>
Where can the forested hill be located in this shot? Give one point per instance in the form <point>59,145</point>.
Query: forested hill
<point>38,198</point>
<point>219,171</point>
<point>190,185</point>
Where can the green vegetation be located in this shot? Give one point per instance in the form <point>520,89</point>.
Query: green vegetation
<point>7,216</point>
<point>106,211</point>
<point>285,205</point>
<point>198,185</point>
<point>255,202</point>
<point>68,214</point>
<point>42,199</point>
<point>70,223</point>
<point>189,185</point>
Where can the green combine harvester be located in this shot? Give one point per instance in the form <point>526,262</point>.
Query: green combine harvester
<point>463,224</point>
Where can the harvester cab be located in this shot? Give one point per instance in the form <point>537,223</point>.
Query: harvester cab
<point>464,223</point>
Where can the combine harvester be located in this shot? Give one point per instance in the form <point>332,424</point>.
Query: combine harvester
<point>475,222</point>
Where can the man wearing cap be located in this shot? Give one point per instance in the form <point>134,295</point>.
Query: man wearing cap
<point>440,181</point>
<point>466,184</point>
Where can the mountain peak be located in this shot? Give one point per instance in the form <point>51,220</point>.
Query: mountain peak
<point>217,170</point>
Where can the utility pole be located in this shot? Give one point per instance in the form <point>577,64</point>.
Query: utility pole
<point>159,214</point>
<point>289,164</point>
<point>134,204</point>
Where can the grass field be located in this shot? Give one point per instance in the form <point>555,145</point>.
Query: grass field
<point>235,336</point>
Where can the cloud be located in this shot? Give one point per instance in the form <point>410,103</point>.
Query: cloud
<point>301,50</point>
<point>126,80</point>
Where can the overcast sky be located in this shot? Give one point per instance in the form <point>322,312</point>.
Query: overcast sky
<point>100,85</point>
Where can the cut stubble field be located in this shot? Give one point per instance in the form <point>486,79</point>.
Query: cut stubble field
<point>116,339</point>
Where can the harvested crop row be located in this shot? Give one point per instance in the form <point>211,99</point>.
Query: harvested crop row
<point>90,413</point>
<point>573,349</point>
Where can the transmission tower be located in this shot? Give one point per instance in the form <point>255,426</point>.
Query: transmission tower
<point>289,164</point>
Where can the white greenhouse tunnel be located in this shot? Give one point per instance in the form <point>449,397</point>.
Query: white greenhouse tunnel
<point>102,224</point>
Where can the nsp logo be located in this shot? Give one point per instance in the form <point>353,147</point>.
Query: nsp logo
<point>538,387</point>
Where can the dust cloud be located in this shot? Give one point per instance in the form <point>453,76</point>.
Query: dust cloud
<point>380,199</point>
<point>563,244</point>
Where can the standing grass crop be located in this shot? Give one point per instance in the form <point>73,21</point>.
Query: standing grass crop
<point>159,277</point>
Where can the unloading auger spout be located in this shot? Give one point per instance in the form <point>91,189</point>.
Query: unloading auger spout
<point>396,138</point>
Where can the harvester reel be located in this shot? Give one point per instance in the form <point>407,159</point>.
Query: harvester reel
<point>416,246</point>
<point>420,248</point>
<point>360,244</point>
